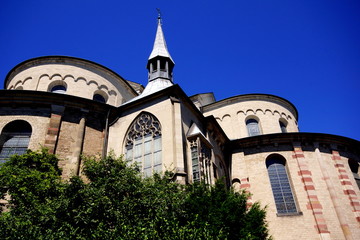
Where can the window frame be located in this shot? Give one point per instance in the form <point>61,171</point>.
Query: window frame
<point>58,83</point>
<point>144,142</point>
<point>251,125</point>
<point>283,127</point>
<point>281,186</point>
<point>15,139</point>
<point>354,168</point>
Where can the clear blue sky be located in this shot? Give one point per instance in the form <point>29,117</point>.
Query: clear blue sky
<point>307,52</point>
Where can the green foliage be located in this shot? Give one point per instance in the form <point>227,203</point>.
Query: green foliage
<point>115,202</point>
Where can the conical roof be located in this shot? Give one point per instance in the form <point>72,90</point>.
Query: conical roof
<point>160,48</point>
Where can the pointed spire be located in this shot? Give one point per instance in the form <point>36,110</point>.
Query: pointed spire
<point>160,48</point>
<point>160,64</point>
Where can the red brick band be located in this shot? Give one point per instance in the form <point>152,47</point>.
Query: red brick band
<point>313,204</point>
<point>348,187</point>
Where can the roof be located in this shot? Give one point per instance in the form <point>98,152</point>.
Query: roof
<point>160,48</point>
<point>152,87</point>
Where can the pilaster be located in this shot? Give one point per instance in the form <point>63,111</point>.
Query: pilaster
<point>314,204</point>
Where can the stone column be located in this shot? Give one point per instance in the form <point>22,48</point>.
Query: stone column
<point>177,144</point>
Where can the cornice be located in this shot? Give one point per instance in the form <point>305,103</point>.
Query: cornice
<point>252,97</point>
<point>296,137</point>
<point>34,99</point>
<point>63,59</point>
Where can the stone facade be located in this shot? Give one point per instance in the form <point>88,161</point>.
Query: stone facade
<point>197,138</point>
<point>80,77</point>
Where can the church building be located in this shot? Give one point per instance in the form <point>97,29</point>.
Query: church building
<point>308,181</point>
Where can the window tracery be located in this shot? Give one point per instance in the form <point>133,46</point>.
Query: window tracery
<point>143,144</point>
<point>200,161</point>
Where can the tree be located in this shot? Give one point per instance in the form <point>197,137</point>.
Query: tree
<point>116,202</point>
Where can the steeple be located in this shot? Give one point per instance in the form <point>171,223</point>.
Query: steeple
<point>160,66</point>
<point>160,63</point>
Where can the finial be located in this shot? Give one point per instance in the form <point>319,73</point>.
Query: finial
<point>159,13</point>
<point>159,16</point>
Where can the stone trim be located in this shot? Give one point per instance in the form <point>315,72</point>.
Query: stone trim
<point>313,204</point>
<point>53,131</point>
<point>245,185</point>
<point>348,188</point>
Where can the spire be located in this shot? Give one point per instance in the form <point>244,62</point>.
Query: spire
<point>160,48</point>
<point>160,63</point>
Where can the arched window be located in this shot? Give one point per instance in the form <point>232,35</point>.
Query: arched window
<point>252,126</point>
<point>58,89</point>
<point>143,143</point>
<point>280,185</point>
<point>283,127</point>
<point>14,139</point>
<point>354,166</point>
<point>99,98</point>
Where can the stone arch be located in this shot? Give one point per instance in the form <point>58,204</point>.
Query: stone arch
<point>18,83</point>
<point>259,110</point>
<point>226,116</point>
<point>268,111</point>
<point>276,112</point>
<point>102,87</point>
<point>56,76</point>
<point>241,112</point>
<point>93,82</point>
<point>250,111</point>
